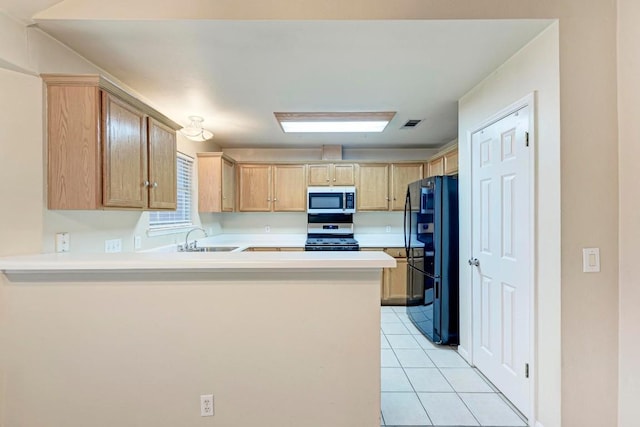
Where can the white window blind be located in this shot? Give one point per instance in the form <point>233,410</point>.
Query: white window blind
<point>181,217</point>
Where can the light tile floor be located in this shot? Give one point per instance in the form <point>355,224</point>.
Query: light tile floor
<point>429,385</point>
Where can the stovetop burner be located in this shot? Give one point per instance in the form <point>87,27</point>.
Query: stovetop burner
<point>331,241</point>
<point>331,244</point>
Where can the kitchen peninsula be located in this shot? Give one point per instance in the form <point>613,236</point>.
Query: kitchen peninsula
<point>279,338</point>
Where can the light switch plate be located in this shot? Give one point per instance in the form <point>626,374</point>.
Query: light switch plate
<point>591,260</point>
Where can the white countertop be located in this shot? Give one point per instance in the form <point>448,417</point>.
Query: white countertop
<point>162,261</point>
<point>167,258</point>
<point>267,240</point>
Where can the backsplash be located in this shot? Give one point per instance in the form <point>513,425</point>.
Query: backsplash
<point>296,222</point>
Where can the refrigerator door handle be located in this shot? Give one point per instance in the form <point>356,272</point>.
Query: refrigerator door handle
<point>436,286</point>
<point>407,237</point>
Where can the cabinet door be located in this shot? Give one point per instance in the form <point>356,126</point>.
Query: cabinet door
<point>209,185</point>
<point>162,166</point>
<point>395,283</point>
<point>254,188</point>
<point>344,174</point>
<point>124,154</point>
<point>451,162</point>
<point>73,148</point>
<point>436,166</point>
<point>319,174</point>
<point>289,189</point>
<point>401,176</point>
<point>372,193</point>
<point>228,186</point>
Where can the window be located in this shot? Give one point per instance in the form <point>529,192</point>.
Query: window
<point>181,217</point>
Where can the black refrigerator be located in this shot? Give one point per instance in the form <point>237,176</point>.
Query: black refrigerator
<point>431,242</point>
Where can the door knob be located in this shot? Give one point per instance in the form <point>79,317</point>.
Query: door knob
<point>474,261</point>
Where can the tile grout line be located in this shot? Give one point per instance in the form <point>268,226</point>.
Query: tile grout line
<point>440,372</point>
<point>410,383</point>
<point>453,388</point>
<point>482,377</point>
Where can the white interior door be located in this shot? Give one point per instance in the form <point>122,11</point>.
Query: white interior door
<point>501,241</point>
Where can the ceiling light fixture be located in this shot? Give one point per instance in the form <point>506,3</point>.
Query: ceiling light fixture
<point>195,131</point>
<point>334,122</point>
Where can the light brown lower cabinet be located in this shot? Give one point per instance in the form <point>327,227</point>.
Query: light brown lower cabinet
<point>269,249</point>
<point>393,285</point>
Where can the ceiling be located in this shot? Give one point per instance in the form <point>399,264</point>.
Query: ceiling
<point>236,74</point>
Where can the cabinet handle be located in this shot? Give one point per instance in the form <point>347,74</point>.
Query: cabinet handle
<point>275,200</point>
<point>387,198</point>
<point>327,179</point>
<point>155,184</point>
<point>268,199</point>
<point>334,180</point>
<point>145,183</point>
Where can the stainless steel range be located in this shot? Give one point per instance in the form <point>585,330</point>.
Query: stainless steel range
<point>330,232</point>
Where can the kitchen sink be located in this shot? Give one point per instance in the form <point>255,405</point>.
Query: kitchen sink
<point>213,249</point>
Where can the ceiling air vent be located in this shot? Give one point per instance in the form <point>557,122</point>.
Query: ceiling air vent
<point>411,124</point>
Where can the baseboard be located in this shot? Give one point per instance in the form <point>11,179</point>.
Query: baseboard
<point>465,354</point>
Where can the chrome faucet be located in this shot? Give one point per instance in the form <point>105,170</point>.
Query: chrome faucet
<point>194,245</point>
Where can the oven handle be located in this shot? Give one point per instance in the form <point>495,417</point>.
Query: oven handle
<point>344,201</point>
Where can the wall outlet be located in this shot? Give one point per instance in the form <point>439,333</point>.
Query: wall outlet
<point>206,405</point>
<point>62,242</point>
<point>267,229</point>
<point>387,229</point>
<point>137,242</point>
<point>113,245</point>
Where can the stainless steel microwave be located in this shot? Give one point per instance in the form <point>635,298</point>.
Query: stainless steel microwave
<point>331,200</point>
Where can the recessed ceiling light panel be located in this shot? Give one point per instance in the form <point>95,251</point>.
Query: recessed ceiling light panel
<point>334,122</point>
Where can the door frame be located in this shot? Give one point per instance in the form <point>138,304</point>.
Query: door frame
<point>530,101</point>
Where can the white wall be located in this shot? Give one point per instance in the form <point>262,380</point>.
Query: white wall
<point>296,222</point>
<point>534,69</point>
<point>629,153</point>
<point>275,348</point>
<point>21,172</point>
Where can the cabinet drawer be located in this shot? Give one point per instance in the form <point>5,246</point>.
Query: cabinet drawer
<point>396,252</point>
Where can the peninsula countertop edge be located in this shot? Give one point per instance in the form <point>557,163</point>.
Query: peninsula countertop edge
<point>196,261</point>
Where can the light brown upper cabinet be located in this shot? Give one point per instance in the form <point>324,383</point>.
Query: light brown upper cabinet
<point>436,166</point>
<point>403,174</point>
<point>277,188</point>
<point>332,174</point>
<point>451,162</point>
<point>444,164</point>
<point>372,190</point>
<point>216,183</point>
<point>162,165</point>
<point>105,148</point>
<point>382,187</point>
